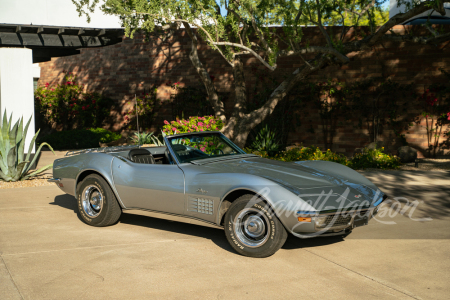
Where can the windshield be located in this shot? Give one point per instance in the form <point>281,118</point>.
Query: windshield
<point>202,145</point>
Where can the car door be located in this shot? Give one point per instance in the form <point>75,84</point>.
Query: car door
<point>157,187</point>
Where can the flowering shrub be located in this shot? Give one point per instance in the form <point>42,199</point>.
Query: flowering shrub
<point>375,159</point>
<point>368,159</point>
<point>193,124</point>
<point>66,104</point>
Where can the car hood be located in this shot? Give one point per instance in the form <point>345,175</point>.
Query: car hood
<point>323,184</point>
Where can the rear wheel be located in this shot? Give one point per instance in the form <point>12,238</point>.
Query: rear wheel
<point>252,228</point>
<point>97,204</point>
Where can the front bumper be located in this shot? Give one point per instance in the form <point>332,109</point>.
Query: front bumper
<point>334,222</point>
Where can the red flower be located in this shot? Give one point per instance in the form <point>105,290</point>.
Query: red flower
<point>74,99</point>
<point>50,105</point>
<point>87,106</point>
<point>83,108</point>
<point>71,105</point>
<point>212,77</point>
<point>47,84</point>
<point>169,83</point>
<point>448,115</point>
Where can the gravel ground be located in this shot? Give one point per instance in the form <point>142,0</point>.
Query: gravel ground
<point>38,181</point>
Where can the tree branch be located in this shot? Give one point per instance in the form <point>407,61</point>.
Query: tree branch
<point>249,50</point>
<point>216,104</point>
<point>283,89</point>
<point>317,49</point>
<point>187,22</point>
<point>399,18</point>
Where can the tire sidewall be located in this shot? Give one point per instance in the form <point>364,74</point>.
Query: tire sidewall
<point>277,233</point>
<point>106,198</point>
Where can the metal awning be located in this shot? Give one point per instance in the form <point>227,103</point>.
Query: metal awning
<point>55,41</point>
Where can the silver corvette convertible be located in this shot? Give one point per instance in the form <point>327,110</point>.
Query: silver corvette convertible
<point>204,176</point>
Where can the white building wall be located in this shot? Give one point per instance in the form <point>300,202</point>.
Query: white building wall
<point>52,13</point>
<point>394,9</point>
<point>16,87</point>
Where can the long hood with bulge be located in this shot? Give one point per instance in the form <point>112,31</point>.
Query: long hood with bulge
<point>324,185</point>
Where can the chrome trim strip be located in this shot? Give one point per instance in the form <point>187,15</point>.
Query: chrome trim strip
<point>55,180</point>
<point>174,215</point>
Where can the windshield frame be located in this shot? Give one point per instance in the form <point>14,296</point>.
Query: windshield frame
<point>167,139</point>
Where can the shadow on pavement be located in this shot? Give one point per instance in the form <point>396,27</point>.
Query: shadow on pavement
<point>430,188</point>
<point>216,235</point>
<point>293,242</point>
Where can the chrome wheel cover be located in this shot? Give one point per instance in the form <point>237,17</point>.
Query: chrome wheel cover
<point>92,201</point>
<point>252,227</point>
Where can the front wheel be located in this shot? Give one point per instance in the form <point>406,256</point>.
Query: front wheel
<point>252,228</point>
<point>97,204</point>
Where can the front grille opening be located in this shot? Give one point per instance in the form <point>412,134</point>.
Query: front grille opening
<point>337,220</point>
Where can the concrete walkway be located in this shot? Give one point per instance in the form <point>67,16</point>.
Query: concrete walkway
<point>46,252</point>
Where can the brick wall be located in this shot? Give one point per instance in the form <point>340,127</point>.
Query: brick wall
<point>135,65</point>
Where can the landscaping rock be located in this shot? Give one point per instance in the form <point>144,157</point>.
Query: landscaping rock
<point>358,150</point>
<point>375,145</point>
<point>407,154</point>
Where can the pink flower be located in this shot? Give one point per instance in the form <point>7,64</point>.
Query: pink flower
<point>50,105</point>
<point>174,129</point>
<point>448,115</point>
<point>165,122</point>
<point>203,149</point>
<point>47,84</point>
<point>200,124</point>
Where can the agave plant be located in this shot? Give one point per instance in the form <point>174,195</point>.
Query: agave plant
<point>13,165</point>
<point>146,138</point>
<point>265,141</point>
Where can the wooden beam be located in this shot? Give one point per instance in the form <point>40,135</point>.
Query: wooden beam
<point>40,29</point>
<point>61,31</point>
<point>102,32</point>
<point>18,29</point>
<point>81,31</point>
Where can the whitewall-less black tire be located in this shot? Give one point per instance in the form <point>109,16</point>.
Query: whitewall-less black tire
<point>97,204</point>
<point>252,228</point>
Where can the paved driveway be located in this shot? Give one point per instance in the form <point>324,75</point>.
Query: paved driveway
<point>48,253</point>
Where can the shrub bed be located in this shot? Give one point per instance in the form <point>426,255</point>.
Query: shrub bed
<point>80,138</point>
<point>368,159</point>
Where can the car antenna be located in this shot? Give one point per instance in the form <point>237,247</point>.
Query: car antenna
<point>137,122</point>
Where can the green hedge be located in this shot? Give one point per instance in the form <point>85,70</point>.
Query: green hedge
<point>79,138</point>
<point>368,159</point>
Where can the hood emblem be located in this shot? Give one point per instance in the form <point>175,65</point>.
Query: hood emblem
<point>357,196</point>
<point>202,191</point>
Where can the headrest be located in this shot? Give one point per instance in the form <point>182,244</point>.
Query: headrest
<point>138,151</point>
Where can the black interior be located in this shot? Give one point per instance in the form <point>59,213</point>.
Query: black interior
<point>141,156</point>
